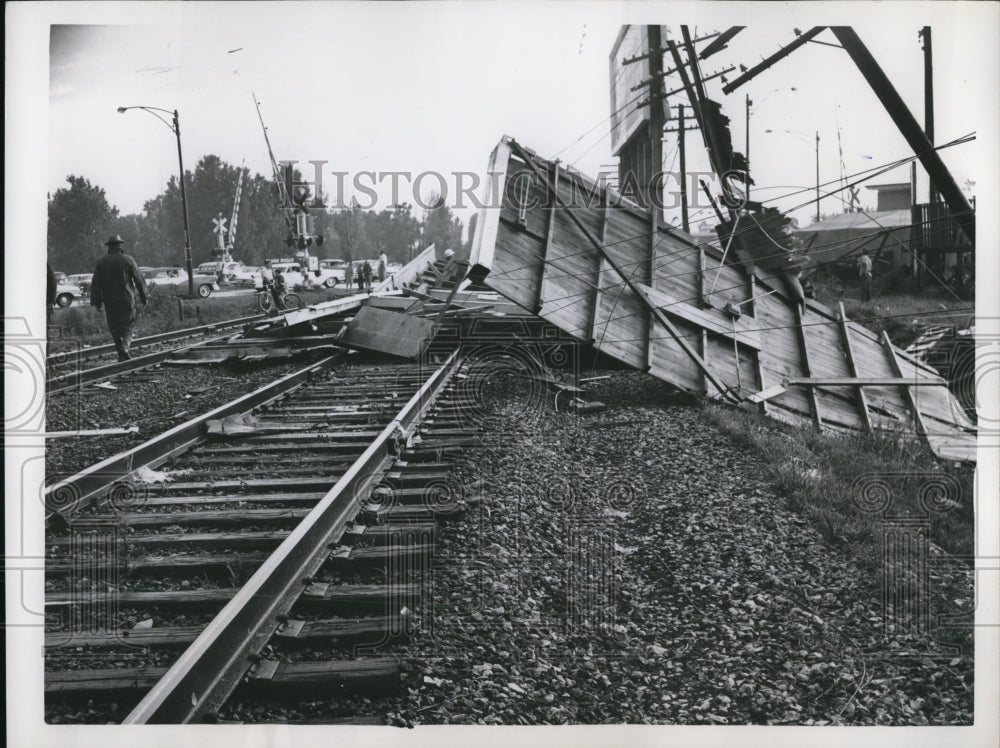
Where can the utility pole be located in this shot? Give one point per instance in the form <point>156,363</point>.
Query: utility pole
<point>817,176</point>
<point>656,102</point>
<point>680,146</point>
<point>682,152</point>
<point>748,103</point>
<point>925,34</point>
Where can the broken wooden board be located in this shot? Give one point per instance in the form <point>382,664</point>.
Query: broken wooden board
<point>409,274</point>
<point>388,332</point>
<point>392,303</point>
<point>608,273</point>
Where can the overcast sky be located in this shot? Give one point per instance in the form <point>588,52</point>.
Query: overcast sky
<point>420,87</point>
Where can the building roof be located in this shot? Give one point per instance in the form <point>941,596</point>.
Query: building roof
<point>845,235</point>
<point>872,220</point>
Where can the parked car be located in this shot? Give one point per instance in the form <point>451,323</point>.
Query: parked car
<point>232,271</point>
<point>83,280</point>
<point>66,292</point>
<point>332,272</point>
<point>178,279</point>
<point>291,270</point>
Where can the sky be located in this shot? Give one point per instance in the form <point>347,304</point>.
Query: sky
<point>432,87</point>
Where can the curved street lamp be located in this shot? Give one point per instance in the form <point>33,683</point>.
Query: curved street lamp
<point>804,139</point>
<point>175,128</point>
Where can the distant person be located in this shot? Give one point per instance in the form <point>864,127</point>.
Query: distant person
<point>366,276</point>
<point>116,285</point>
<point>865,275</point>
<point>383,263</point>
<point>51,289</point>
<point>268,282</point>
<point>280,287</point>
<point>349,275</point>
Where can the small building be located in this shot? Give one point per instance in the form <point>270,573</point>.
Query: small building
<point>838,240</point>
<point>892,196</point>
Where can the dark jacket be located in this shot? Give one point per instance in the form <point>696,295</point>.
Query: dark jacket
<point>117,280</point>
<point>51,285</point>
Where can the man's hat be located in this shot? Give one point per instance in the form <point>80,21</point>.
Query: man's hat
<point>267,262</point>
<point>114,239</point>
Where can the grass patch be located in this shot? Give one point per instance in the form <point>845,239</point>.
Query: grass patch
<point>84,325</point>
<point>826,479</point>
<point>903,316</point>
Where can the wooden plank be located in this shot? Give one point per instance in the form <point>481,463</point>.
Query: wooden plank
<point>918,417</point>
<point>254,539</point>
<point>715,321</point>
<point>364,675</point>
<point>863,382</point>
<point>162,636</point>
<point>345,595</point>
<point>374,630</point>
<point>223,517</point>
<point>650,278</point>
<point>389,332</point>
<point>702,270</point>
<point>174,562</point>
<point>313,484</point>
<point>807,369</point>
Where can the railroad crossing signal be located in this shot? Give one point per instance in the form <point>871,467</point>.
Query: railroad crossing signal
<point>220,230</point>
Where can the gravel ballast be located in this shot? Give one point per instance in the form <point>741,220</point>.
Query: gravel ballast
<point>633,566</point>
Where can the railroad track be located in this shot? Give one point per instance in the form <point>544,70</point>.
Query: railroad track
<point>70,369</point>
<point>286,543</point>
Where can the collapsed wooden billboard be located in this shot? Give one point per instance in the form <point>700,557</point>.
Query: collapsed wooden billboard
<point>606,272</point>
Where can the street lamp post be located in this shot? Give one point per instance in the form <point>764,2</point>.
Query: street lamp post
<point>175,128</point>
<point>816,149</point>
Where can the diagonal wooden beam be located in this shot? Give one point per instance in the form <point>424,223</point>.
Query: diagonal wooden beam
<point>852,367</point>
<point>807,367</point>
<point>918,417</point>
<point>657,314</point>
<point>596,297</point>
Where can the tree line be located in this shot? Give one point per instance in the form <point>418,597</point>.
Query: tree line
<point>80,218</point>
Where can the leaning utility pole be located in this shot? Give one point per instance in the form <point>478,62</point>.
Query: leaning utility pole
<point>925,34</point>
<point>910,129</point>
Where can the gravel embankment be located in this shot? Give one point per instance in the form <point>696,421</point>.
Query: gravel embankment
<point>633,567</point>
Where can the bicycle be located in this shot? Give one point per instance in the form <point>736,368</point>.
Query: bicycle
<point>289,301</point>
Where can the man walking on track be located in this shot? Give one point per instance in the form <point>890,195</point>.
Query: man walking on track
<point>116,284</point>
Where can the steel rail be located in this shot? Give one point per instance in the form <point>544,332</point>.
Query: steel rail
<point>68,496</point>
<point>99,350</point>
<point>207,673</point>
<point>69,380</point>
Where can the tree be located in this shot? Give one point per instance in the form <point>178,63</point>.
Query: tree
<point>80,219</point>
<point>442,229</point>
